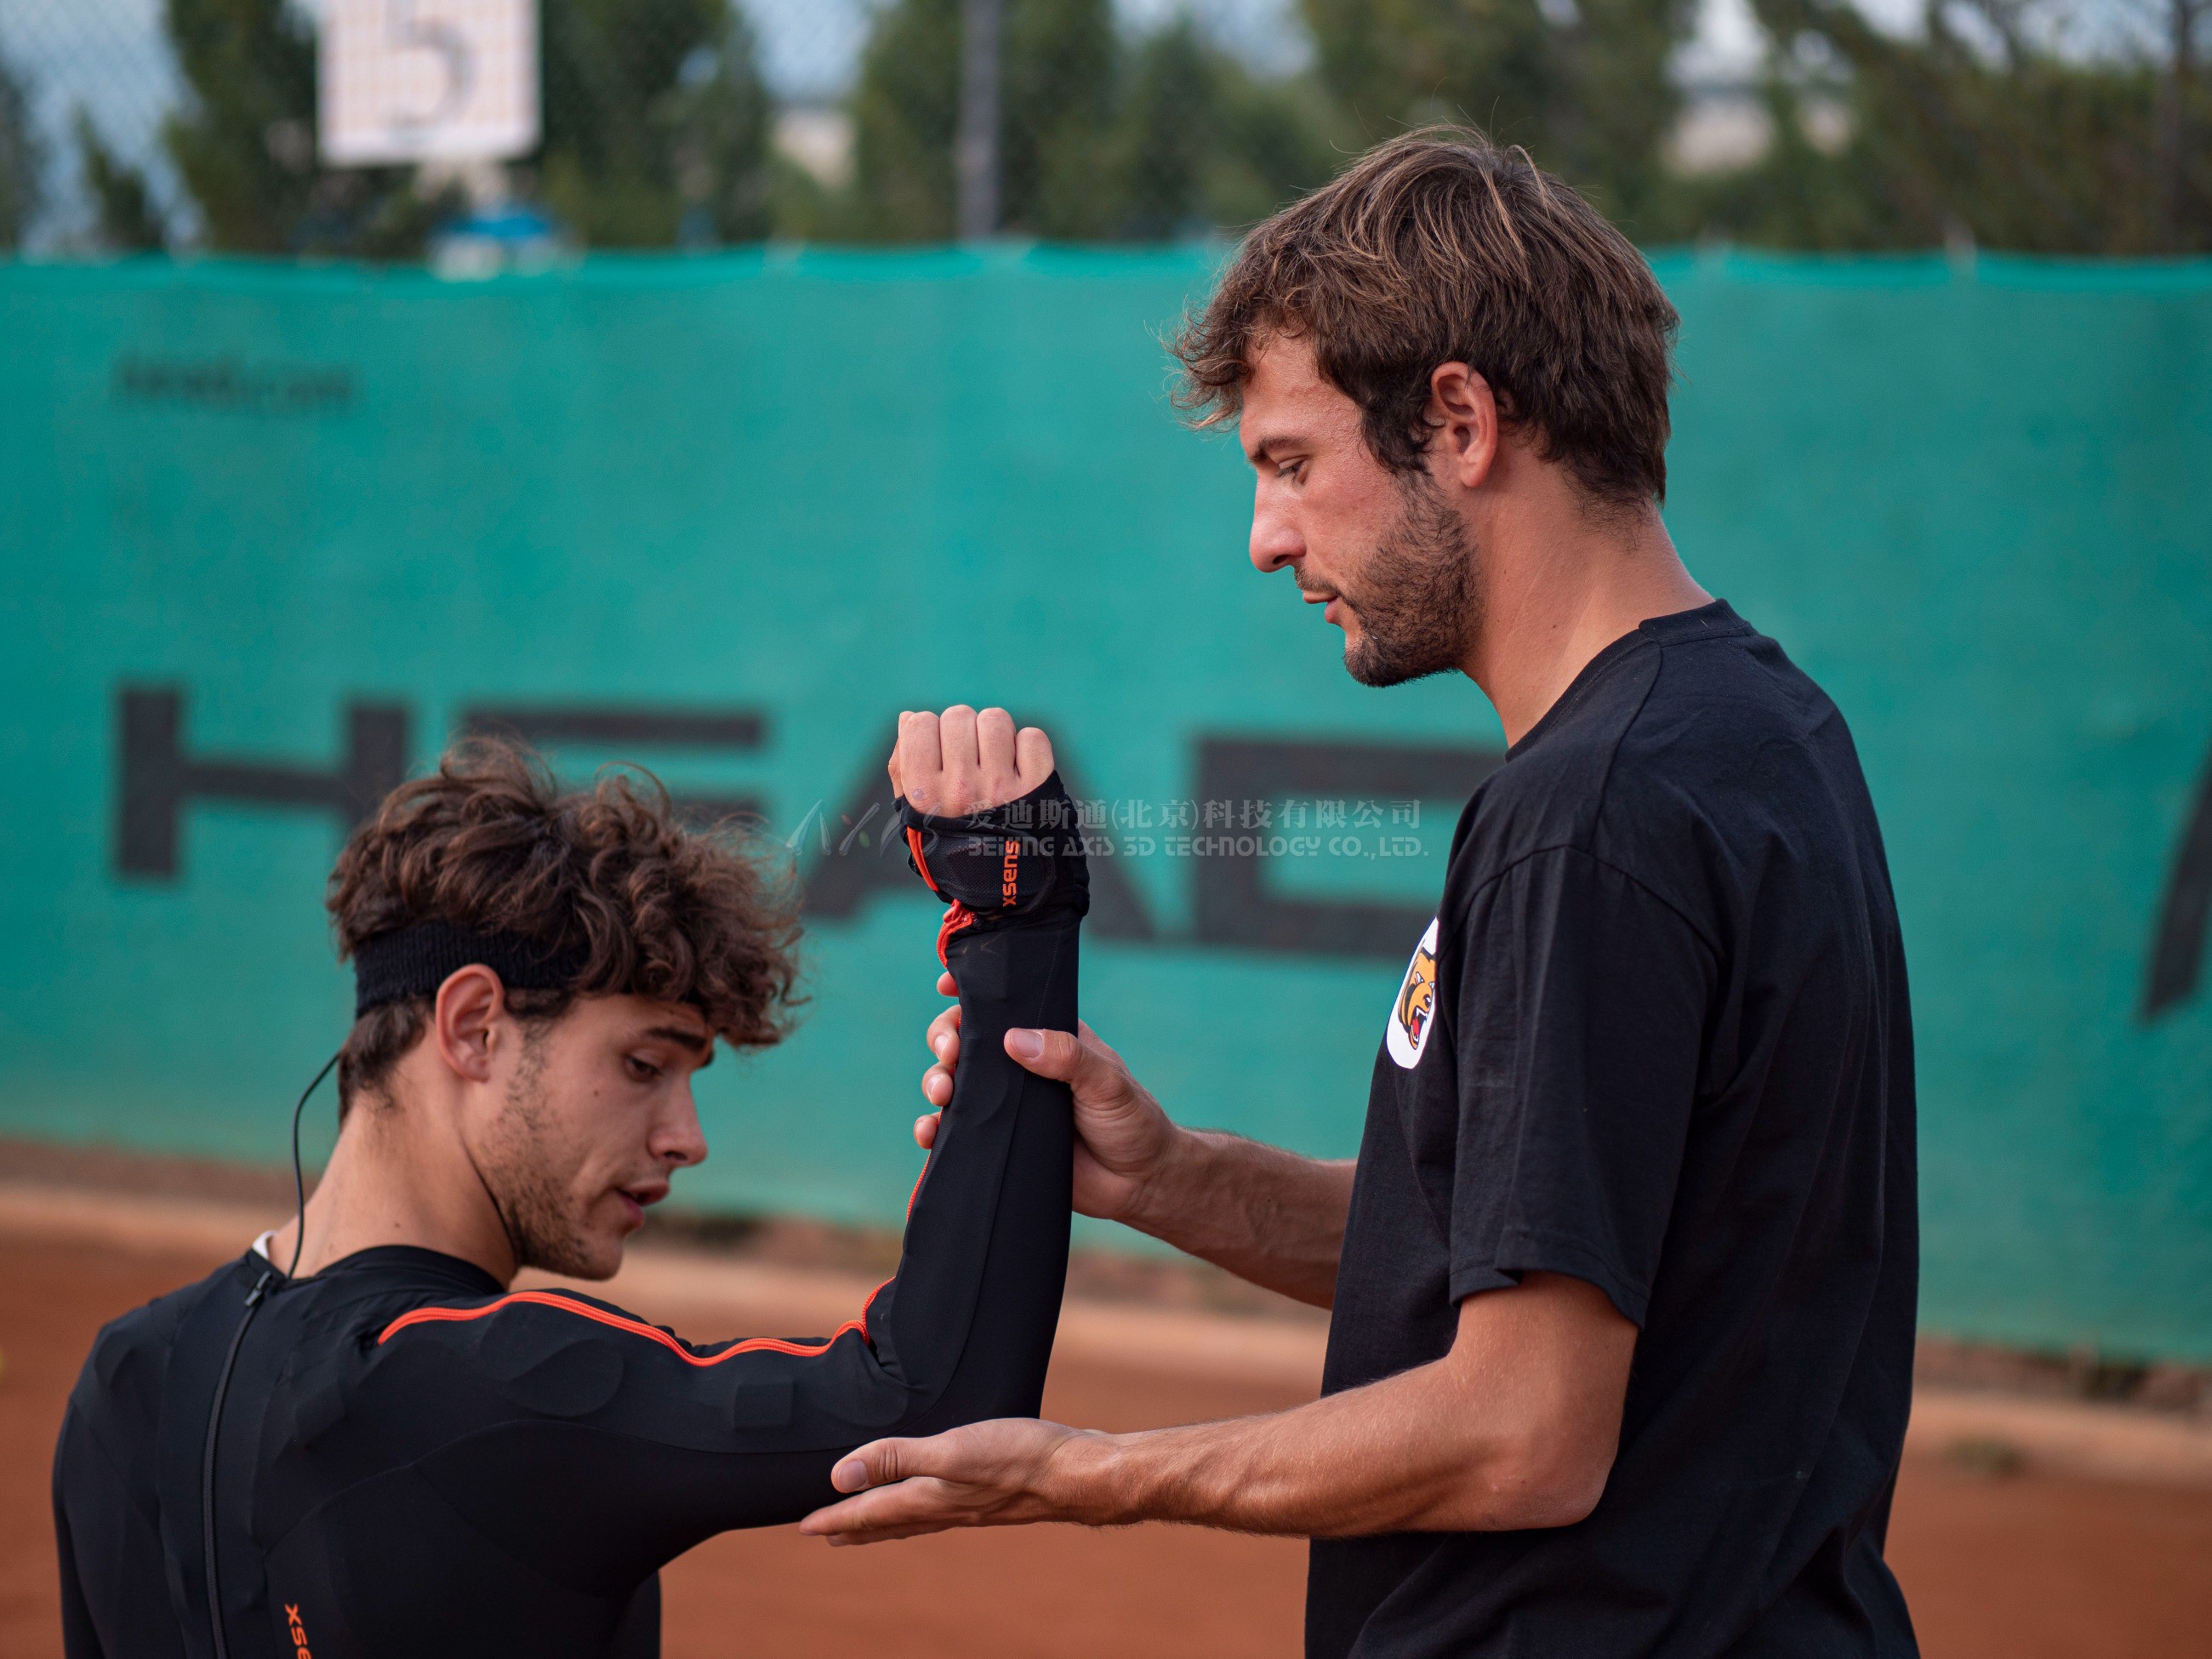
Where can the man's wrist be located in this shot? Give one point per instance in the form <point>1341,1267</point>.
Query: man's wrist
<point>1264,1214</point>
<point>1164,1196</point>
<point>1089,1477</point>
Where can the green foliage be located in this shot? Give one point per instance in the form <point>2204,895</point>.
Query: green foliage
<point>1100,139</point>
<point>904,110</point>
<point>1583,85</point>
<point>2015,147</point>
<point>245,145</point>
<point>804,209</point>
<point>125,220</point>
<point>656,122</point>
<point>22,159</point>
<point>1055,98</point>
<point>2012,146</point>
<point>1056,80</point>
<point>250,65</point>
<point>1200,144</point>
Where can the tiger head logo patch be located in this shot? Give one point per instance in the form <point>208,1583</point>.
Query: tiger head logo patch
<point>1413,1015</point>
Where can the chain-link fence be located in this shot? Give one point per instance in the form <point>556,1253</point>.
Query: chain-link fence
<point>2040,125</point>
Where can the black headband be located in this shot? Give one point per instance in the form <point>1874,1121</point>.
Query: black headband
<point>414,961</point>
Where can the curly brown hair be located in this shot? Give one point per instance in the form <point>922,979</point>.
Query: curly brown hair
<point>1437,247</point>
<point>489,843</point>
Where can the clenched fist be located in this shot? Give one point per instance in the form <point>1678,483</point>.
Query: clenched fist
<point>959,763</point>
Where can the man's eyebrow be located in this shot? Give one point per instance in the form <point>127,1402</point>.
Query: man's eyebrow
<point>1262,451</point>
<point>689,1039</point>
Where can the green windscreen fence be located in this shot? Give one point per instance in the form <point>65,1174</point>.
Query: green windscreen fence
<point>270,535</point>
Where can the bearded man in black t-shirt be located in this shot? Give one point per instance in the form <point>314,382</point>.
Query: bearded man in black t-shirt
<point>1622,1281</point>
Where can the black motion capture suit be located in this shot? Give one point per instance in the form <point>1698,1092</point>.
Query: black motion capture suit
<point>411,1462</point>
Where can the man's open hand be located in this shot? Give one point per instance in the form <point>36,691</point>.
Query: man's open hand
<point>1516,1426</point>
<point>960,762</point>
<point>999,1473</point>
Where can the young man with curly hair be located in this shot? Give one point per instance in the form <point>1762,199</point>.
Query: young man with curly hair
<point>356,1440</point>
<point>1622,1282</point>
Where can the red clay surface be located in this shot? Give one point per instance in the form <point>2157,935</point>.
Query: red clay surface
<point>2019,1567</point>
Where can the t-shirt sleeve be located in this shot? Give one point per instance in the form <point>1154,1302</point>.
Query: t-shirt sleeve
<point>1580,1005</point>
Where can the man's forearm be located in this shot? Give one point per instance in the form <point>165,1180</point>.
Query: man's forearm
<point>1264,1214</point>
<point>1515,1427</point>
<point>1400,1455</point>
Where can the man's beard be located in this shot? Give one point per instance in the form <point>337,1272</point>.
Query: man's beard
<point>533,1205</point>
<point>1420,597</point>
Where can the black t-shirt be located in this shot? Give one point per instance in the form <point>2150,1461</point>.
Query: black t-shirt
<point>1657,1038</point>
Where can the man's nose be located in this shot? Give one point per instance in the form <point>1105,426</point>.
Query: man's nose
<point>679,1138</point>
<point>1275,541</point>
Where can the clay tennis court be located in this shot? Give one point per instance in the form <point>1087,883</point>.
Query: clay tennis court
<point>1998,1565</point>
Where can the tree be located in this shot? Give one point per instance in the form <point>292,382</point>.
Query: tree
<point>1166,136</point>
<point>1100,139</point>
<point>1058,78</point>
<point>1583,85</point>
<point>721,120</point>
<point>905,106</point>
<point>22,159</point>
<point>1200,144</point>
<point>1057,72</point>
<point>124,219</point>
<point>244,143</point>
<point>656,122</point>
<point>1989,125</point>
<point>1997,137</point>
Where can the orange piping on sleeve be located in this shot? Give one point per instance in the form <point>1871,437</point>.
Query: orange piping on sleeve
<point>957,917</point>
<point>634,1326</point>
<point>921,864</point>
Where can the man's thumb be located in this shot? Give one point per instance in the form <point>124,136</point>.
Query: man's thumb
<point>1048,1053</point>
<point>875,1464</point>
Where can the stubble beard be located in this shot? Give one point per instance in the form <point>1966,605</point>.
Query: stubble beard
<point>533,1205</point>
<point>1420,600</point>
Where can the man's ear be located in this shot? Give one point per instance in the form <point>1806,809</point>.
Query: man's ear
<point>1463,415</point>
<point>469,1006</point>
